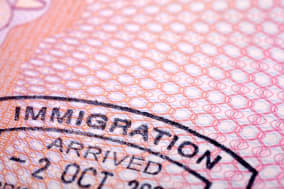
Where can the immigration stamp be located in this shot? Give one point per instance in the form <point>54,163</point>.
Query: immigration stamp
<point>53,142</point>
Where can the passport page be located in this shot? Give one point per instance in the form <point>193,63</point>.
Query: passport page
<point>141,94</point>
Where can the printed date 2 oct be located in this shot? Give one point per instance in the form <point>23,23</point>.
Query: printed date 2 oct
<point>74,173</point>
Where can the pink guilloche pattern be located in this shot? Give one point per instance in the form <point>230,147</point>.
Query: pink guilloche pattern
<point>213,65</point>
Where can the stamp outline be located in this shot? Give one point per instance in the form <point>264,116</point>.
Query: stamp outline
<point>235,156</point>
